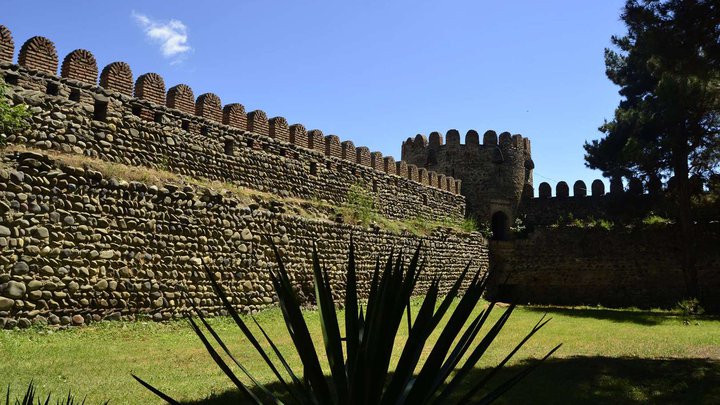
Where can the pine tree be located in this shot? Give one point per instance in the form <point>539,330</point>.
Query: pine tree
<point>668,121</point>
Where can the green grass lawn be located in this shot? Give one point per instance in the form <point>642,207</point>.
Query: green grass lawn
<point>608,356</point>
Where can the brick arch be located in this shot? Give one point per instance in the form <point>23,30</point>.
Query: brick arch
<point>412,172</point>
<point>150,87</point>
<point>401,169</point>
<point>298,135</point>
<point>362,154</point>
<point>435,139</point>
<point>39,54</point>
<point>472,137</point>
<point>544,190</point>
<point>332,146</point>
<point>490,138</point>
<point>389,166</point>
<point>420,141</point>
<point>450,184</point>
<point>562,189</point>
<point>376,160</point>
<point>347,151</point>
<point>257,122</point>
<point>117,76</point>
<point>181,97</point>
<point>80,65</point>
<point>579,189</point>
<point>504,139</point>
<point>208,106</point>
<point>7,45</point>
<point>598,187</point>
<point>234,116</point>
<point>316,140</point>
<point>452,137</point>
<point>278,127</point>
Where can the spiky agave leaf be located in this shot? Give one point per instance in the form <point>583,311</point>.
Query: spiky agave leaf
<point>352,320</point>
<point>360,377</point>
<point>330,329</point>
<point>300,334</point>
<point>245,330</point>
<point>31,397</point>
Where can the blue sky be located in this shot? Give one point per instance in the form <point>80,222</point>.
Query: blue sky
<point>374,72</point>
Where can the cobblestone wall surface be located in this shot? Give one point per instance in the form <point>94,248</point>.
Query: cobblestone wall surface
<point>140,123</point>
<point>617,268</point>
<point>78,247</point>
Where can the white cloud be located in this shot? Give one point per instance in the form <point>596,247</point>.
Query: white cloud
<point>171,35</point>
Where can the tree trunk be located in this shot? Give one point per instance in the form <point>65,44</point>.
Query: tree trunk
<point>686,241</point>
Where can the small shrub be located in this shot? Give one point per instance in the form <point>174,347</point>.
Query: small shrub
<point>585,223</point>
<point>12,117</point>
<point>688,309</point>
<point>656,220</point>
<point>469,225</point>
<point>519,229</point>
<point>485,229</point>
<point>604,224</point>
<point>360,204</point>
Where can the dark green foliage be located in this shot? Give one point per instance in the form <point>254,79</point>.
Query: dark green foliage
<point>668,70</point>
<point>361,376</point>
<point>668,122</point>
<point>32,397</point>
<point>12,118</point>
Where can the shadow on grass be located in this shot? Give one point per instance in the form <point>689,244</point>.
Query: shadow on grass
<point>647,318</point>
<point>594,380</point>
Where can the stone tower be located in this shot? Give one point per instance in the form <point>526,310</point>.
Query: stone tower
<point>494,173</point>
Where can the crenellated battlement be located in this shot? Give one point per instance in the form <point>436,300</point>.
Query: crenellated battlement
<point>38,55</point>
<point>168,120</point>
<point>493,173</point>
<point>620,202</point>
<point>635,187</point>
<point>472,141</point>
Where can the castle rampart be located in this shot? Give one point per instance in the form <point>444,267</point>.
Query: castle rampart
<point>78,246</point>
<point>145,124</point>
<point>623,203</point>
<point>620,267</point>
<point>493,173</point>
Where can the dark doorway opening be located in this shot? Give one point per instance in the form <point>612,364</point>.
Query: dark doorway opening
<point>500,226</point>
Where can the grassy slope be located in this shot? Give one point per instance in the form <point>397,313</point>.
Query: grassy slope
<point>627,356</point>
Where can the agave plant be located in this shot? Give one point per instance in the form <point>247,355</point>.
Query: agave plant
<point>32,397</point>
<point>360,375</point>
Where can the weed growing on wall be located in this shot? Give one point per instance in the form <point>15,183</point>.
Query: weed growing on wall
<point>519,229</point>
<point>484,229</point>
<point>469,225</point>
<point>585,223</point>
<point>360,205</point>
<point>653,219</point>
<point>12,117</point>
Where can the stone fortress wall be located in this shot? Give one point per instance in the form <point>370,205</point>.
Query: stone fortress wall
<point>620,267</point>
<point>619,203</point>
<point>631,264</point>
<point>494,173</point>
<point>78,246</point>
<point>140,123</point>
